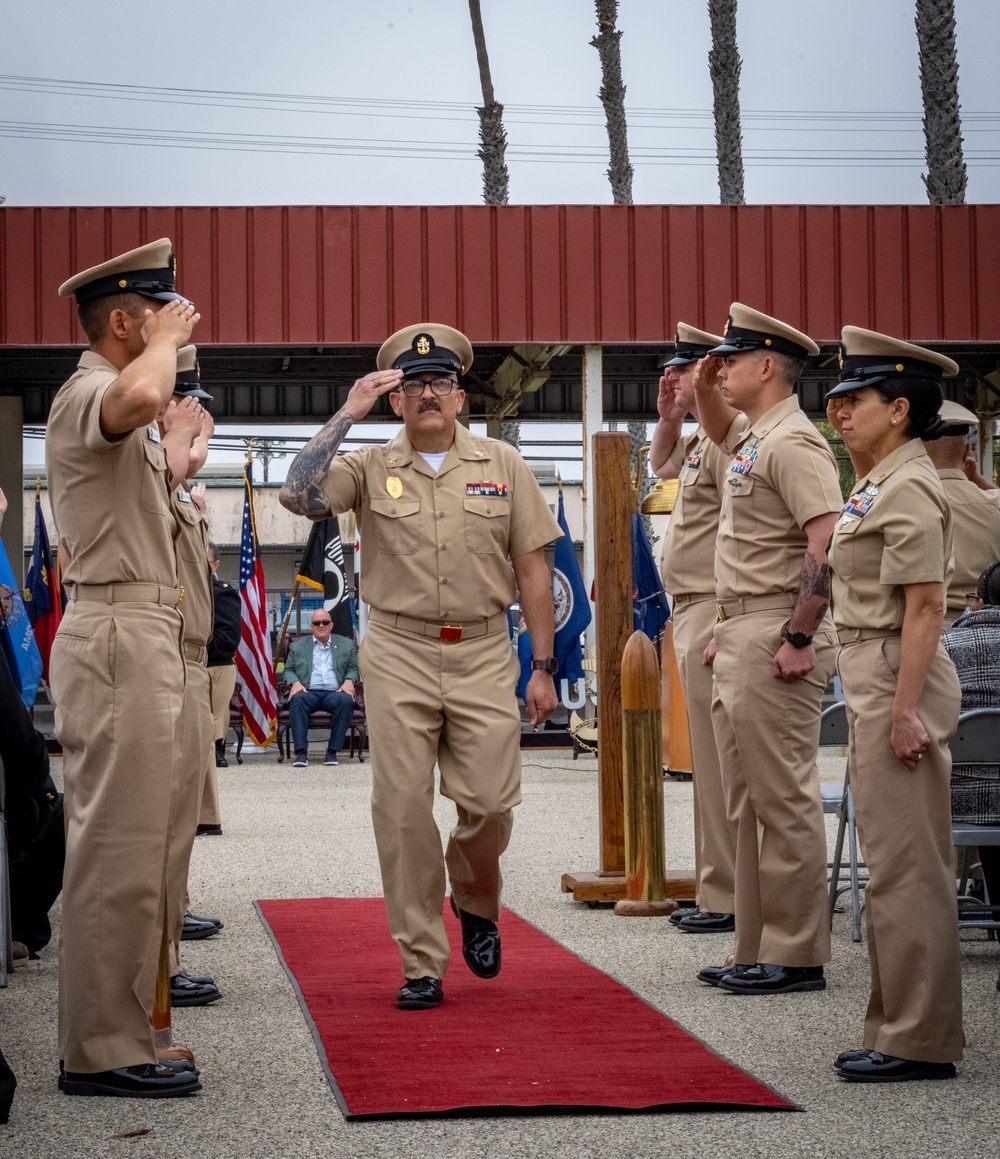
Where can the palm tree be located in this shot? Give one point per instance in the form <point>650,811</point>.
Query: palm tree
<point>946,176</point>
<point>724,69</point>
<point>612,94</point>
<point>492,137</point>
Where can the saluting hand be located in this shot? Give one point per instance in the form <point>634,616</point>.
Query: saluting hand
<point>668,407</point>
<point>173,323</point>
<point>368,390</point>
<point>198,497</point>
<point>184,417</point>
<point>833,414</point>
<point>706,374</point>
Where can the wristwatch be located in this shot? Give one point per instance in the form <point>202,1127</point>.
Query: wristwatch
<point>549,665</point>
<point>797,639</point>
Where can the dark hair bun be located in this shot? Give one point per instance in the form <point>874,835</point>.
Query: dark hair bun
<point>934,428</point>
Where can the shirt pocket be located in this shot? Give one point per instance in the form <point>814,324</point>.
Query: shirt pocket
<point>487,525</point>
<point>843,548</point>
<point>397,525</point>
<point>154,493</point>
<point>740,488</point>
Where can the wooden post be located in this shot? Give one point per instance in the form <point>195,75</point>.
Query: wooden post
<point>645,887</point>
<point>163,1041</point>
<point>613,580</point>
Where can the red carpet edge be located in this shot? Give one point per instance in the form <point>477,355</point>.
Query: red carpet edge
<point>776,1101</point>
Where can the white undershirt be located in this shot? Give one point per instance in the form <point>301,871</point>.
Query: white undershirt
<point>433,460</point>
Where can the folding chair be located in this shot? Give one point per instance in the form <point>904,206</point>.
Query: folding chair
<point>838,799</point>
<point>976,742</point>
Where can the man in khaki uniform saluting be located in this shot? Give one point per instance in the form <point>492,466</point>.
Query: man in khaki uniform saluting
<point>117,668</point>
<point>441,511</point>
<point>687,566</point>
<point>776,648</point>
<point>185,458</point>
<point>975,508</point>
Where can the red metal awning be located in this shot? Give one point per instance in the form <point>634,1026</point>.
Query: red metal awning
<point>341,275</point>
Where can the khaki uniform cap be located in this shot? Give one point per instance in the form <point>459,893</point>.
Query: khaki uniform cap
<point>149,270</point>
<point>956,415</point>
<point>749,329</point>
<point>426,346</point>
<point>690,345</point>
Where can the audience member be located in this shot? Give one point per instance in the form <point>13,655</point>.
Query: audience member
<point>320,671</point>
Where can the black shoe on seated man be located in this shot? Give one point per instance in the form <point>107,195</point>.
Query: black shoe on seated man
<point>765,978</point>
<point>330,758</point>
<point>713,975</point>
<point>704,922</point>
<point>480,942</point>
<point>220,755</point>
<point>419,994</point>
<point>149,1081</point>
<point>875,1067</point>
<point>195,928</point>
<point>185,991</point>
<point>301,759</point>
<point>682,912</point>
<point>208,831</point>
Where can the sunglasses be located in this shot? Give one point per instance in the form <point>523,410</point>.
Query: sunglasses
<point>321,623</point>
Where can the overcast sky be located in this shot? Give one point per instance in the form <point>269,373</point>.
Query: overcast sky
<point>335,102</point>
<point>247,102</point>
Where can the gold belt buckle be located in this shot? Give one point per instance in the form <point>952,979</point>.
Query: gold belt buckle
<point>721,609</point>
<point>451,632</point>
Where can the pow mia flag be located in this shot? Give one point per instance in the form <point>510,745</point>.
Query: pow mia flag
<point>323,569</point>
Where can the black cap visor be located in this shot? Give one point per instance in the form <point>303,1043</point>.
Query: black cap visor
<point>158,284</point>
<point>438,360</point>
<point>738,341</point>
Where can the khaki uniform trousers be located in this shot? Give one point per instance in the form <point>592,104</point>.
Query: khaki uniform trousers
<point>904,824</point>
<point>767,733</point>
<point>223,684</point>
<point>452,703</point>
<point>196,752</point>
<point>714,852</point>
<point>118,684</point>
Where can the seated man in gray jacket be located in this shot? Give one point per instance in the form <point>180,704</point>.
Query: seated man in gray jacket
<point>321,672</point>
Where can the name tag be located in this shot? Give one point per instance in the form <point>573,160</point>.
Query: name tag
<point>152,434</point>
<point>183,495</point>
<point>746,456</point>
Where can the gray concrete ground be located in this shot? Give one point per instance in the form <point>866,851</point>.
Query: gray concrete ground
<point>306,832</point>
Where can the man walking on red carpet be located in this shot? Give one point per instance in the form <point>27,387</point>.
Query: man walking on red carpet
<point>458,526</point>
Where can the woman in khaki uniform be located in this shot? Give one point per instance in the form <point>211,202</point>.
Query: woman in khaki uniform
<point>891,557</point>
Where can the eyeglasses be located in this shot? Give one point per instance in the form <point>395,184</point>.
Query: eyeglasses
<point>972,596</point>
<point>321,623</point>
<point>414,387</point>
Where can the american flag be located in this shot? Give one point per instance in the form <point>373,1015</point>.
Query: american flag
<point>254,665</point>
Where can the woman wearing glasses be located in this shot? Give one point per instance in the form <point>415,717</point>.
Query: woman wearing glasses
<point>891,560</point>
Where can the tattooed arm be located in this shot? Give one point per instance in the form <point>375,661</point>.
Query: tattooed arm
<point>791,664</point>
<point>304,491</point>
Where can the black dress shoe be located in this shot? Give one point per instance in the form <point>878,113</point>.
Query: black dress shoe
<point>875,1067</point>
<point>480,943</point>
<point>194,928</point>
<point>217,922</point>
<point>198,979</point>
<point>849,1056</point>
<point>179,1065</point>
<point>682,912</point>
<point>149,1081</point>
<point>703,922</point>
<point>419,994</point>
<point>220,755</point>
<point>208,831</point>
<point>713,975</point>
<point>767,979</point>
<point>186,991</point>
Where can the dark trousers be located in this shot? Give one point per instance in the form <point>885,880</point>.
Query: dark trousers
<point>340,706</point>
<point>7,1085</point>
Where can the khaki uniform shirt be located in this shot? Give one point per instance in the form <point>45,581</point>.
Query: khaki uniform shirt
<point>110,497</point>
<point>895,529</point>
<point>783,474</point>
<point>193,571</point>
<point>975,516</point>
<point>688,560</point>
<point>435,545</point>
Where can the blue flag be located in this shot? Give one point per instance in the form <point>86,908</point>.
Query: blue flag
<point>16,636</point>
<point>650,610</point>
<point>572,614</point>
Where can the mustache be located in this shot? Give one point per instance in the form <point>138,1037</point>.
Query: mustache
<point>428,404</point>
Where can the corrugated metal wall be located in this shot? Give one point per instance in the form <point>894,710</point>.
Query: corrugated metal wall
<point>563,273</point>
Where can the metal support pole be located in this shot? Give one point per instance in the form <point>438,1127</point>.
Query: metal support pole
<point>593,422</point>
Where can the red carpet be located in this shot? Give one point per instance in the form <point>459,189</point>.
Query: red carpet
<point>549,1035</point>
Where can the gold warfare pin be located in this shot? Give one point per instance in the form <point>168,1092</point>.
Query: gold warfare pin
<point>394,486</point>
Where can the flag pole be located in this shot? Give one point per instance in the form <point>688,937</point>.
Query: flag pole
<point>284,624</point>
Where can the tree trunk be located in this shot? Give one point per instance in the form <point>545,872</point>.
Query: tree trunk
<point>724,69</point>
<point>946,176</point>
<point>612,96</point>
<point>492,137</point>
